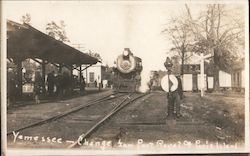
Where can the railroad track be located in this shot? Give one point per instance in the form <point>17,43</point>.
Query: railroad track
<point>26,103</point>
<point>68,112</point>
<point>126,101</point>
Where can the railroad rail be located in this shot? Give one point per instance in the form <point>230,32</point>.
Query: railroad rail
<point>127,100</point>
<point>73,110</point>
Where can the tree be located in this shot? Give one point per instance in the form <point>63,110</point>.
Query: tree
<point>177,67</point>
<point>57,31</point>
<point>178,32</point>
<point>25,19</point>
<point>95,55</point>
<point>218,31</point>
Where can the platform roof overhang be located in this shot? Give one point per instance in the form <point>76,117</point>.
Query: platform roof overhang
<point>24,41</point>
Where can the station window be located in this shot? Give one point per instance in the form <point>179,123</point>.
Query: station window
<point>91,76</point>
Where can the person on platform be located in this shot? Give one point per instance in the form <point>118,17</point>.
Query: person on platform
<point>95,83</point>
<point>66,84</point>
<point>173,96</point>
<point>51,83</point>
<point>59,85</point>
<point>38,86</point>
<point>83,84</point>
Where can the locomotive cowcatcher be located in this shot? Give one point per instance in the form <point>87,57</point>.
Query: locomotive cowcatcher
<point>127,73</point>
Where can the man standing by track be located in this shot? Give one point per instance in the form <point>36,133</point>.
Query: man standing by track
<point>170,85</point>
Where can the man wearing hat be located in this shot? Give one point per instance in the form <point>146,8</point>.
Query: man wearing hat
<point>170,85</point>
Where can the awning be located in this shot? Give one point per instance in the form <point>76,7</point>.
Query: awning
<point>24,41</point>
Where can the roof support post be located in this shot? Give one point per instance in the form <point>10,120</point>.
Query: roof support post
<point>43,63</point>
<point>76,67</point>
<point>19,78</point>
<point>80,74</point>
<point>87,76</point>
<point>71,79</point>
<point>87,67</point>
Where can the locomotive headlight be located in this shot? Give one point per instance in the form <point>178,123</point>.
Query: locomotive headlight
<point>125,53</point>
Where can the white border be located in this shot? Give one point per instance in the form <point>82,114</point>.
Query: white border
<point>247,109</point>
<point>3,81</point>
<point>12,152</point>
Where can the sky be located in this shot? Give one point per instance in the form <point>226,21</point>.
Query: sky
<point>108,27</point>
<point>105,28</point>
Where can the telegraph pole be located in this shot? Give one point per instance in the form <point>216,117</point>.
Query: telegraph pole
<point>202,70</point>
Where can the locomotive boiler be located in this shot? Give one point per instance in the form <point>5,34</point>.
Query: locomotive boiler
<point>127,73</point>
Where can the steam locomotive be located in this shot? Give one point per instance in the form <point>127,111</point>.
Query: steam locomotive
<point>127,73</point>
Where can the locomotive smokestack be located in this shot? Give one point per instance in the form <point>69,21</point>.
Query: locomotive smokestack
<point>127,49</point>
<point>126,52</point>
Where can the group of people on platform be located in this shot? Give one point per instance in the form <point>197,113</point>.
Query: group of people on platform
<point>60,85</point>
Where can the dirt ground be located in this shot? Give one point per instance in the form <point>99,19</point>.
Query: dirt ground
<point>55,134</point>
<point>215,120</point>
